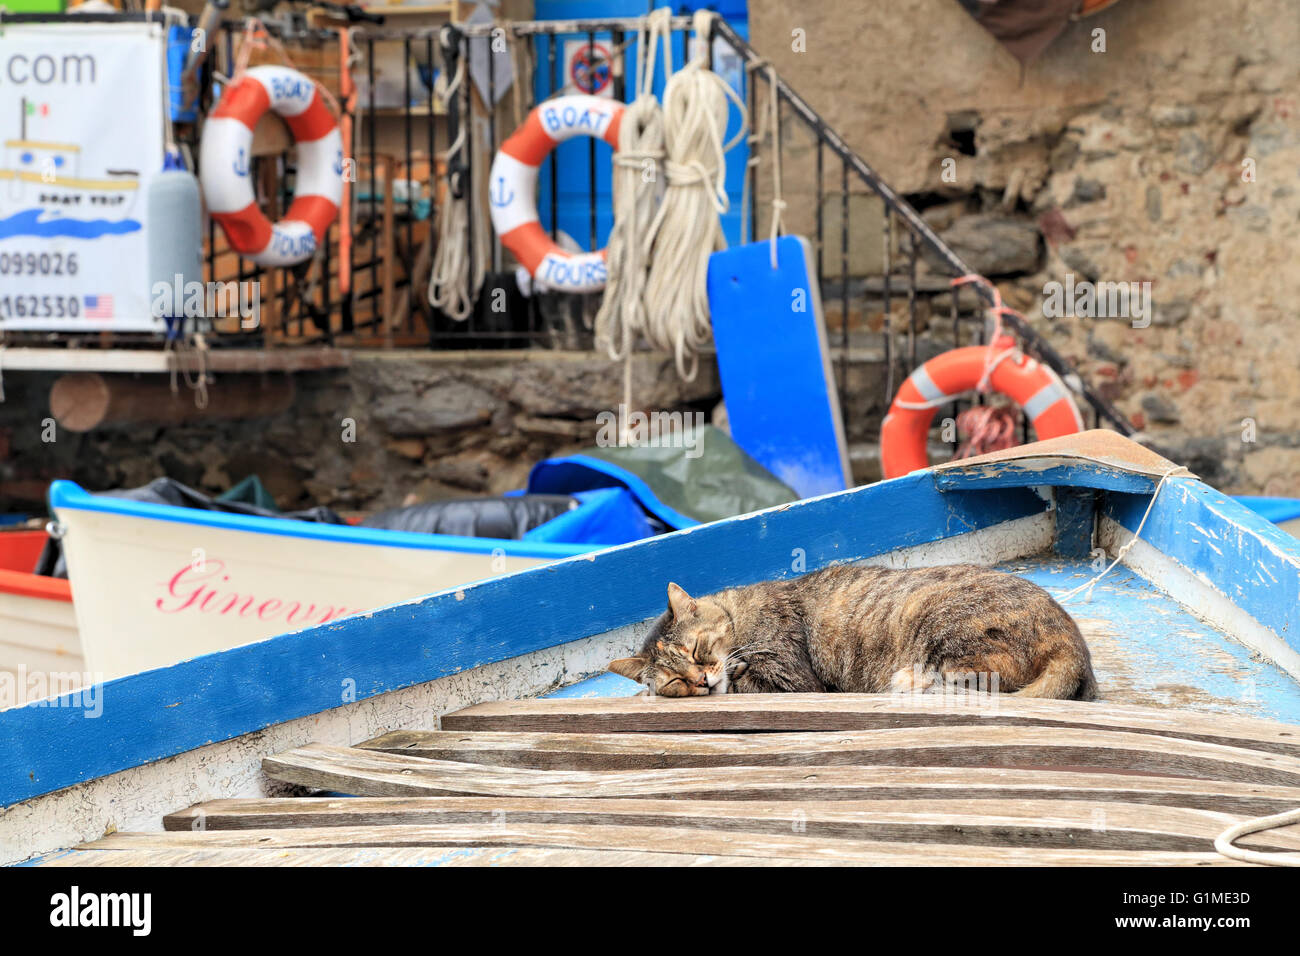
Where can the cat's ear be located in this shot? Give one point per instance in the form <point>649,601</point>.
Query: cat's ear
<point>679,602</point>
<point>629,667</point>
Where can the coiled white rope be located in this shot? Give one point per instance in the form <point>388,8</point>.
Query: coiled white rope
<point>622,315</point>
<point>686,229</point>
<point>455,257</point>
<point>1224,841</point>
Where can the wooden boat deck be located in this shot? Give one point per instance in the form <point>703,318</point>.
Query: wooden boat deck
<point>1147,649</point>
<point>834,779</point>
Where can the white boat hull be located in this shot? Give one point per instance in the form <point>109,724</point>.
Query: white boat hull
<point>38,645</point>
<point>157,584</point>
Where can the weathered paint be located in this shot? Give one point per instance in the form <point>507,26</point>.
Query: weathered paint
<point>159,713</point>
<point>1076,516</point>
<point>602,685</point>
<point>1148,649</point>
<point>1015,474</point>
<point>1202,599</point>
<point>1226,545</point>
<point>137,798</point>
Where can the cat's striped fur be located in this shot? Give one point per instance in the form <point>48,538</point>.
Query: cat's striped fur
<point>866,630</point>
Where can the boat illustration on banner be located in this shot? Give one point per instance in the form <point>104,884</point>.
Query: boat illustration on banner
<point>46,193</point>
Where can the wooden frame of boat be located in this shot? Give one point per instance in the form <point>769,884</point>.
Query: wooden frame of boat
<point>206,761</point>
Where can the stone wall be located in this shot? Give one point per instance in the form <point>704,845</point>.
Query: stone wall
<point>1171,158</point>
<point>393,427</point>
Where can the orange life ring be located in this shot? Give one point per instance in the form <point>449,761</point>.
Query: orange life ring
<point>225,161</point>
<point>513,186</point>
<point>1033,386</point>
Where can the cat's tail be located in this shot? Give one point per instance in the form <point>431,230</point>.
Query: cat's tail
<point>1067,676</point>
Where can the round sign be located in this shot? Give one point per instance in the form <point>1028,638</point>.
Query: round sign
<point>589,70</point>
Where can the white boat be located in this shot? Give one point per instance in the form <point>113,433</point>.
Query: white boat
<point>476,726</point>
<point>40,652</point>
<point>156,584</point>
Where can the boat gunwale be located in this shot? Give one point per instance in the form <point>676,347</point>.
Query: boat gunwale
<point>221,696</point>
<point>47,745</point>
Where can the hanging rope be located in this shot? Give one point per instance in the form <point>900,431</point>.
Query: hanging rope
<point>622,315</point>
<point>988,428</point>
<point>176,349</point>
<point>455,258</point>
<point>770,122</point>
<point>992,358</point>
<point>686,229</point>
<point>257,37</point>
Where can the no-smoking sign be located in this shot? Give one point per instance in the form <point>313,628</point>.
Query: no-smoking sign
<point>588,67</point>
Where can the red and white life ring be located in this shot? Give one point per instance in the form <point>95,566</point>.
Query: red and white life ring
<point>513,188</point>
<point>225,158</point>
<point>1033,386</point>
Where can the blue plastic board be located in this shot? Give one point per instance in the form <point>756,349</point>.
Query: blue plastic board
<point>775,366</point>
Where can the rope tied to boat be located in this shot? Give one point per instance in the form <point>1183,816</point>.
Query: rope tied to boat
<point>1087,586</point>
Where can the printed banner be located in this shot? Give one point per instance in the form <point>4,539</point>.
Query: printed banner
<point>82,127</point>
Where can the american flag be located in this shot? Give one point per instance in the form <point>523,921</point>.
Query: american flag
<point>99,306</point>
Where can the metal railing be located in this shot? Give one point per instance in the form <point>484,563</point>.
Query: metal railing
<point>380,297</point>
<point>906,235</point>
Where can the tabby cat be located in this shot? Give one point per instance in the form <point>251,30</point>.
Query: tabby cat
<point>866,630</point>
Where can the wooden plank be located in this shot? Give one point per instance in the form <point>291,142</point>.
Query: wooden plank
<point>397,856</point>
<point>652,840</point>
<point>84,401</point>
<point>749,713</point>
<point>156,360</point>
<point>1062,824</point>
<point>370,774</point>
<point>977,746</point>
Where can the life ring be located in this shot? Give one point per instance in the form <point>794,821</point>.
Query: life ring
<point>224,165</point>
<point>1033,386</point>
<point>513,188</point>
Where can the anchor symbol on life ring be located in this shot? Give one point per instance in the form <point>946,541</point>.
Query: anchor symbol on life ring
<point>240,164</point>
<point>499,197</point>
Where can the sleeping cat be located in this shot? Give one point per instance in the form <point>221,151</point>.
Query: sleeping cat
<point>865,630</point>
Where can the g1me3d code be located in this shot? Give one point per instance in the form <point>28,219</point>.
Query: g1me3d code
<point>1159,899</point>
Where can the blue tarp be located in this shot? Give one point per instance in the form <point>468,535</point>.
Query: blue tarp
<point>682,480</point>
<point>606,516</point>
